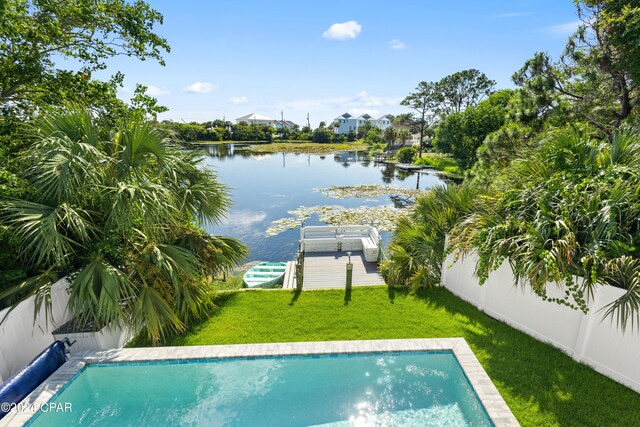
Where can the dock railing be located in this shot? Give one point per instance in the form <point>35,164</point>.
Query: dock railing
<point>328,238</point>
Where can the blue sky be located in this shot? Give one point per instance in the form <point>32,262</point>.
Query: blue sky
<point>231,58</point>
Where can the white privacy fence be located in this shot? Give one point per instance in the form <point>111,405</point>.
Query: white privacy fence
<point>21,339</point>
<point>587,338</point>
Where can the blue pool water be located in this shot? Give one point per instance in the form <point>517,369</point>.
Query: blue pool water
<point>386,389</point>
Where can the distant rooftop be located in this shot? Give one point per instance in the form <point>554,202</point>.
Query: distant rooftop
<point>253,116</point>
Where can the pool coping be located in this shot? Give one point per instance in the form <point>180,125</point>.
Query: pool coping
<point>494,404</point>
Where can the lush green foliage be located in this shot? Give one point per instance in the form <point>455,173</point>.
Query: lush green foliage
<point>424,102</point>
<point>459,91</point>
<point>555,177</point>
<point>119,209</point>
<point>541,385</point>
<point>322,134</point>
<point>595,72</point>
<point>406,154</point>
<point>461,133</point>
<point>570,208</point>
<point>36,33</point>
<point>416,254</point>
<point>619,22</point>
<point>438,161</point>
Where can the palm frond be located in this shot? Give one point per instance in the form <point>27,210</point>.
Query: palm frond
<point>101,293</point>
<point>155,315</point>
<point>49,236</point>
<point>37,286</point>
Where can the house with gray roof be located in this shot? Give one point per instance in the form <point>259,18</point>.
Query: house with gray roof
<point>347,122</point>
<point>259,119</point>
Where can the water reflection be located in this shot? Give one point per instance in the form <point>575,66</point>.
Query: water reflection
<point>222,151</point>
<point>266,187</point>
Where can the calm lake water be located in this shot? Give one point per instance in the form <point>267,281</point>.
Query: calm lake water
<point>265,186</point>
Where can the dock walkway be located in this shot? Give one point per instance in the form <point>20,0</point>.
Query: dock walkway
<point>327,270</point>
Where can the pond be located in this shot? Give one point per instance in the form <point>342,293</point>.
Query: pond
<point>268,187</point>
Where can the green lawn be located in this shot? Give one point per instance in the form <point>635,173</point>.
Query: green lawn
<point>542,385</point>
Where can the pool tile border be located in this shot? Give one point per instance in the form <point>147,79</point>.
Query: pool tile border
<point>491,399</point>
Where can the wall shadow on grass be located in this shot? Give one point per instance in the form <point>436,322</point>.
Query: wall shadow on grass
<point>534,376</point>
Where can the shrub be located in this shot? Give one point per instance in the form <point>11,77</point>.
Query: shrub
<point>406,155</point>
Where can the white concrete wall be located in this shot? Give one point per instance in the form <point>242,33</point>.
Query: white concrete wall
<point>588,338</point>
<point>109,337</point>
<point>21,339</point>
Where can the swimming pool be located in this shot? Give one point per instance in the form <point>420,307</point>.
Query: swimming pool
<point>323,384</point>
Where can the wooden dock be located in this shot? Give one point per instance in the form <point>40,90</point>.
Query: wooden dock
<point>327,270</point>
<point>290,276</point>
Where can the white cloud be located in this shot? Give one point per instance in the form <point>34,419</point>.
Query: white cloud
<point>157,91</point>
<point>126,90</point>
<point>238,100</point>
<point>397,44</point>
<point>564,29</point>
<point>244,218</point>
<point>343,31</point>
<point>512,14</point>
<point>200,87</point>
<point>361,103</point>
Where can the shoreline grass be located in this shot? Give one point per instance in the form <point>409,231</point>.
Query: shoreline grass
<point>542,385</point>
<point>307,147</point>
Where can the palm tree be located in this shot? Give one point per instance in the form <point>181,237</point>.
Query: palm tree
<point>117,210</point>
<point>389,136</point>
<point>404,135</point>
<point>570,208</point>
<point>417,250</point>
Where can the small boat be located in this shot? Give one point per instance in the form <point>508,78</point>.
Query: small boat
<point>408,167</point>
<point>265,274</point>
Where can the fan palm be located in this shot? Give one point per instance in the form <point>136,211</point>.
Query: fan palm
<point>417,250</point>
<point>119,209</point>
<point>569,209</point>
<point>404,136</point>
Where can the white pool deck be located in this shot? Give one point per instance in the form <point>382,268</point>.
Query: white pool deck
<point>491,399</point>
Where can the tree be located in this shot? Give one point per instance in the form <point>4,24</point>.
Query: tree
<point>462,90</point>
<point>145,104</point>
<point>595,73</point>
<point>364,129</point>
<point>321,134</point>
<point>404,119</point>
<point>406,154</point>
<point>569,208</point>
<point>424,102</point>
<point>373,136</point>
<point>417,251</point>
<point>119,208</point>
<point>460,134</point>
<point>389,135</point>
<point>404,135</point>
<point>618,24</point>
<point>34,34</point>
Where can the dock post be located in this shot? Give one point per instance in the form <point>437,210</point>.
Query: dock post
<point>349,273</point>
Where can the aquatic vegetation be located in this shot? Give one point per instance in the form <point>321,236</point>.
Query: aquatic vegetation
<point>383,217</point>
<point>367,191</point>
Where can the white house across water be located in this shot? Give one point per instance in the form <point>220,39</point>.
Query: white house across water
<point>259,119</point>
<point>347,122</point>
